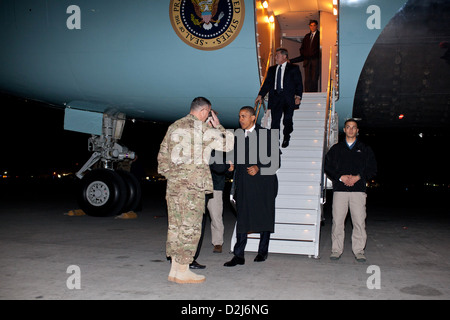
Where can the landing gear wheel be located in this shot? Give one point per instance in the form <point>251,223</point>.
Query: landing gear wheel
<point>133,194</point>
<point>103,193</point>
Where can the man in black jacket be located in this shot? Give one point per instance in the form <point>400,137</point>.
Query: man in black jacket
<point>349,164</point>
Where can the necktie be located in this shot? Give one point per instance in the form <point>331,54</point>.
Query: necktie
<point>279,79</point>
<point>312,37</point>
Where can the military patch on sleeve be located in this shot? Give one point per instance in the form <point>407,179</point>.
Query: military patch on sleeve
<point>207,24</point>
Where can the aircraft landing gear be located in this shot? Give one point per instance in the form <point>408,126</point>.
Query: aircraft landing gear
<point>104,191</point>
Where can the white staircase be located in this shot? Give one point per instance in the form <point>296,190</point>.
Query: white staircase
<point>298,206</point>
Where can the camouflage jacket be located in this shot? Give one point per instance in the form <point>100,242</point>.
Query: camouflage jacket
<point>184,153</point>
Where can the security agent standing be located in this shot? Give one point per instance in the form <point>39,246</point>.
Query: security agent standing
<point>215,204</point>
<point>188,180</point>
<point>349,164</point>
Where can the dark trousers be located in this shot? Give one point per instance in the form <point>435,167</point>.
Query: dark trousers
<point>200,242</point>
<point>279,106</point>
<point>312,72</point>
<point>241,242</point>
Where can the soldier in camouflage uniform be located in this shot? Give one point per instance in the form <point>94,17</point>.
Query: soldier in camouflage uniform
<point>184,160</point>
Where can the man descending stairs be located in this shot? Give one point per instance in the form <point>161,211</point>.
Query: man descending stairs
<point>298,206</point>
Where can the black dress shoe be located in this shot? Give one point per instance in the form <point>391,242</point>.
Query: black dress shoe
<point>285,144</point>
<point>260,258</point>
<point>196,265</point>
<point>234,261</point>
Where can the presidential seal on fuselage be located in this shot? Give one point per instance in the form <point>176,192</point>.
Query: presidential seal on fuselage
<point>207,24</point>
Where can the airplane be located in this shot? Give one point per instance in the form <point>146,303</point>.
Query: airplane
<point>106,61</point>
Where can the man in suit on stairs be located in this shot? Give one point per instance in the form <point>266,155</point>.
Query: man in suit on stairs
<point>285,88</point>
<point>310,55</point>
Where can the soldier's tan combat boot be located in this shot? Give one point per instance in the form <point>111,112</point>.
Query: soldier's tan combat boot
<point>173,271</point>
<point>184,275</point>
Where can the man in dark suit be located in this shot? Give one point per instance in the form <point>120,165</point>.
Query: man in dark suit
<point>285,88</point>
<point>310,55</point>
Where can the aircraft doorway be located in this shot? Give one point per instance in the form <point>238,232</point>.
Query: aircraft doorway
<point>290,25</point>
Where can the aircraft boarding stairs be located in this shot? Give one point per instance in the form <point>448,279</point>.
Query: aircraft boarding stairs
<point>298,207</point>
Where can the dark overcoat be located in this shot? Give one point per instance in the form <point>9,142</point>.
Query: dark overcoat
<point>255,195</point>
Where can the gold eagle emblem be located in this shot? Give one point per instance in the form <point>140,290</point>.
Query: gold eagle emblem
<point>206,10</point>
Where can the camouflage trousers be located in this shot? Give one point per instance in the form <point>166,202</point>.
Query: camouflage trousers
<point>185,213</point>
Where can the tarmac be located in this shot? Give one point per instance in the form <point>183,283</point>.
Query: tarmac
<point>47,255</point>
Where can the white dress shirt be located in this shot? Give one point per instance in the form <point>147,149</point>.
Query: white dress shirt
<point>283,68</point>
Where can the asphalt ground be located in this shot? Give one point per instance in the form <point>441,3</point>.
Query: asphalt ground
<point>47,255</point>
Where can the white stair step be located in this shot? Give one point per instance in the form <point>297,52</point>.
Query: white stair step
<point>313,107</point>
<point>290,232</point>
<point>314,95</point>
<point>310,106</point>
<point>303,133</point>
<point>296,188</point>
<point>310,114</point>
<point>313,167</point>
<point>317,103</point>
<point>303,165</point>
<point>306,142</point>
<point>314,163</point>
<point>313,98</point>
<point>284,174</point>
<point>286,201</point>
<point>300,123</point>
<point>286,247</point>
<point>301,153</point>
<point>299,216</point>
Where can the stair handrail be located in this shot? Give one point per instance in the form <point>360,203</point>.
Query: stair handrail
<point>257,106</point>
<point>329,116</point>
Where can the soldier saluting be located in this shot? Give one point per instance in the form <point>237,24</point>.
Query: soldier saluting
<point>184,160</point>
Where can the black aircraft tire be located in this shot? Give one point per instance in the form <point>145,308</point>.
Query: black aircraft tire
<point>103,193</point>
<point>133,190</point>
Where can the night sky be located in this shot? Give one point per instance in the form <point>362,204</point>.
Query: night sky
<point>34,142</point>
